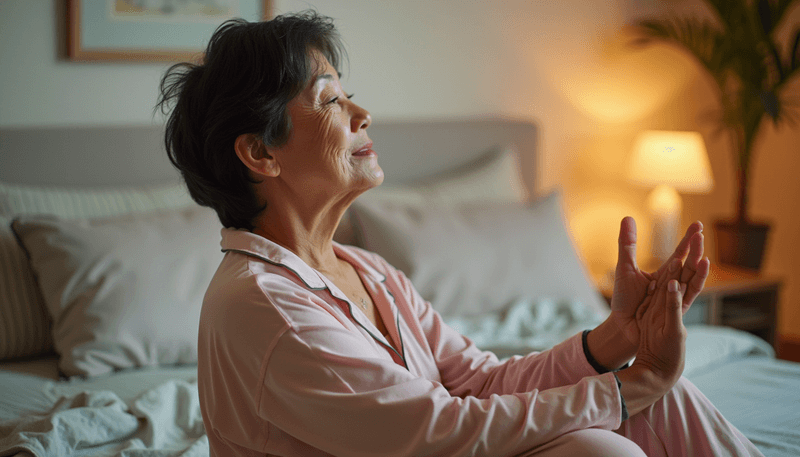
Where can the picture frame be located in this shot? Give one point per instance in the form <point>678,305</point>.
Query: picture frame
<point>150,30</point>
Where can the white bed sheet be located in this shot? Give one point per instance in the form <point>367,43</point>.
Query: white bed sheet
<point>149,412</point>
<point>761,397</point>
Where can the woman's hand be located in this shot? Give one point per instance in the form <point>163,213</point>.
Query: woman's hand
<point>662,333</point>
<point>660,360</point>
<point>616,340</point>
<point>631,284</point>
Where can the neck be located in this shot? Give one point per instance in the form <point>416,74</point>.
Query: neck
<point>306,231</point>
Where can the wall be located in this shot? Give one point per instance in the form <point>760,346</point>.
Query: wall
<point>407,60</point>
<point>38,88</point>
<point>564,64</point>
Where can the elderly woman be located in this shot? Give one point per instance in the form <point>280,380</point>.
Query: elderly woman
<point>308,347</point>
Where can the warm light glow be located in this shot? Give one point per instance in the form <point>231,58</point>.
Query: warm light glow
<point>677,159</point>
<point>622,86</point>
<point>594,219</point>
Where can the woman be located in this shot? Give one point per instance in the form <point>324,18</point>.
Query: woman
<point>307,347</point>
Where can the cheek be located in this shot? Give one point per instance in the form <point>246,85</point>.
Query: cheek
<point>329,136</point>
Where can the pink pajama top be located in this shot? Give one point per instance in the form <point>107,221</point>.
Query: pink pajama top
<point>289,366</point>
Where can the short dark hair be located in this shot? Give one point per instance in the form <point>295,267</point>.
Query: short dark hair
<point>250,72</point>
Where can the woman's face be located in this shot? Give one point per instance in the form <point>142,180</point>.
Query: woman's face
<point>328,152</point>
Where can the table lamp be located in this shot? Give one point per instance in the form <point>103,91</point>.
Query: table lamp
<point>671,162</point>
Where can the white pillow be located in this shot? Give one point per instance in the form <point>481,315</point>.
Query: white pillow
<point>123,292</point>
<point>493,178</point>
<point>496,178</point>
<point>476,258</point>
<point>24,323</point>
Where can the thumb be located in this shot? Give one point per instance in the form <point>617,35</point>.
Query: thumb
<point>674,321</point>
<point>627,243</point>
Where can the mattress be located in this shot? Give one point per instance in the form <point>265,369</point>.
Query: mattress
<point>761,397</point>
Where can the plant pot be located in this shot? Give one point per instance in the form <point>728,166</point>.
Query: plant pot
<point>741,244</point>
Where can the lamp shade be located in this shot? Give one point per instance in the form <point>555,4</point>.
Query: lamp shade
<point>675,159</point>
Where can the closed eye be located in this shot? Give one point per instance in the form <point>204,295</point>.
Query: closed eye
<point>335,99</point>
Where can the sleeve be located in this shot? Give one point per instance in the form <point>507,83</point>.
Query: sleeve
<point>601,369</point>
<point>466,370</point>
<point>326,388</point>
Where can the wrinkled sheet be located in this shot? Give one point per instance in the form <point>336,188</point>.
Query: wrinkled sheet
<point>162,422</point>
<point>535,325</point>
<point>527,325</point>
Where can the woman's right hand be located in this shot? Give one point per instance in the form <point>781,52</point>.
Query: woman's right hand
<point>662,346</point>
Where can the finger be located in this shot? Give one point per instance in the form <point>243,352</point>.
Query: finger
<point>683,247</point>
<point>627,243</point>
<point>652,308</point>
<point>643,307</point>
<point>694,257</point>
<point>673,272</point>
<point>698,281</point>
<point>674,321</point>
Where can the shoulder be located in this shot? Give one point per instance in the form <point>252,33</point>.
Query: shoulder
<point>238,304</point>
<point>270,298</point>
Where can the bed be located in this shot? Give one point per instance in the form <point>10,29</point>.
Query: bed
<point>104,270</point>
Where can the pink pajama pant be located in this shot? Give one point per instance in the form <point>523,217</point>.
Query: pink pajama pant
<point>682,423</point>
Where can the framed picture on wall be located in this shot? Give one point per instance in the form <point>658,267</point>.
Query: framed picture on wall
<point>150,30</point>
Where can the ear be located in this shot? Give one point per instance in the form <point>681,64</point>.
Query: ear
<point>253,153</point>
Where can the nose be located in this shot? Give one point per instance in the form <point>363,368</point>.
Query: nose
<point>360,118</point>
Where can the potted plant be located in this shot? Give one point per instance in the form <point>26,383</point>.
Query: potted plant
<point>751,71</point>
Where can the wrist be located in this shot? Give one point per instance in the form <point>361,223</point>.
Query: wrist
<point>640,388</point>
<point>609,347</point>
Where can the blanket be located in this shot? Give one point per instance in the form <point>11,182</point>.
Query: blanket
<point>162,422</point>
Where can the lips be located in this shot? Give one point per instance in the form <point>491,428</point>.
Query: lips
<point>365,150</point>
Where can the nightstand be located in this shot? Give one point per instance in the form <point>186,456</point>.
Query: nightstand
<point>740,299</point>
<point>735,298</point>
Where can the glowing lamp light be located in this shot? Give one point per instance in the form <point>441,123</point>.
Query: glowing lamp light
<point>671,162</point>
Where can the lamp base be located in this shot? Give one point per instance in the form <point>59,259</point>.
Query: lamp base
<point>665,206</point>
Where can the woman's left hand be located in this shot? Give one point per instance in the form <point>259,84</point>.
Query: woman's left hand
<point>632,285</point>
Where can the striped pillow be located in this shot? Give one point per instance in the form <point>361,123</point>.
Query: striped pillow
<point>25,328</point>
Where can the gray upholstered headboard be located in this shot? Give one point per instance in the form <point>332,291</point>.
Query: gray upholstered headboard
<point>122,156</point>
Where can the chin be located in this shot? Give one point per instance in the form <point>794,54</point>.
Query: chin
<point>378,179</point>
<point>372,177</point>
